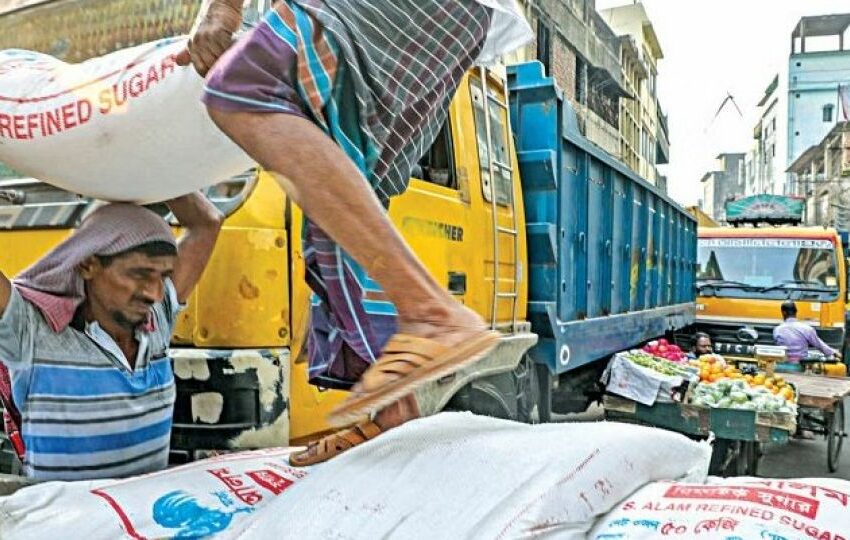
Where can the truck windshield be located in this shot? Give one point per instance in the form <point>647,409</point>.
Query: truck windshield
<point>770,268</point>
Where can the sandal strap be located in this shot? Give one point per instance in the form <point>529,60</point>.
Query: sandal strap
<point>405,343</point>
<point>356,434</point>
<point>402,355</point>
<point>334,444</point>
<point>369,430</point>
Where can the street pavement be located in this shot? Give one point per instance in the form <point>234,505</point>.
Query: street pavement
<point>805,459</point>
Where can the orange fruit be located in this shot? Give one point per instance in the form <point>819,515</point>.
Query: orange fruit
<point>716,368</point>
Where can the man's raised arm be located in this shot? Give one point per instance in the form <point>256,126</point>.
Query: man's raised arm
<point>201,222</point>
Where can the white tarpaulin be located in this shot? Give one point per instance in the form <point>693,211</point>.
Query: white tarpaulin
<point>453,475</point>
<point>637,383</point>
<point>128,126</point>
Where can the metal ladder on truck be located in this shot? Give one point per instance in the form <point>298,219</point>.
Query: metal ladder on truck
<point>498,230</point>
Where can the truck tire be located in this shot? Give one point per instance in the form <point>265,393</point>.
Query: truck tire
<point>494,396</point>
<point>543,380</point>
<point>516,395</point>
<point>534,392</point>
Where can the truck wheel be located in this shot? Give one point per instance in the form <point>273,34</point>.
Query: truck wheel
<point>527,392</point>
<point>544,393</point>
<point>494,396</point>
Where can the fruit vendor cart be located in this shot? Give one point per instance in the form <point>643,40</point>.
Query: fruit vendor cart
<point>703,398</point>
<point>821,403</point>
<point>738,433</point>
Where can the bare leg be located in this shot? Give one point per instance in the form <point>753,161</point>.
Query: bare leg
<point>330,189</point>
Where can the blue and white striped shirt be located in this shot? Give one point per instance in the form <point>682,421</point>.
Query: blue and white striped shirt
<point>85,413</point>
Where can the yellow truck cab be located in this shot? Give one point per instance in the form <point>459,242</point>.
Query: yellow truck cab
<point>745,273</point>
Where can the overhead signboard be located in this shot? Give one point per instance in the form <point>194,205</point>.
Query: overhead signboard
<point>766,208</point>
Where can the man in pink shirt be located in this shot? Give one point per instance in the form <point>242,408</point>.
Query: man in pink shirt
<point>797,337</point>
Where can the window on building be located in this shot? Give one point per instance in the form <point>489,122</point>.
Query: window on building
<point>651,81</point>
<point>581,80</point>
<point>544,46</point>
<point>827,112</point>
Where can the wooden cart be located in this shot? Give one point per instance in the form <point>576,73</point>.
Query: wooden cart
<point>821,409</point>
<point>738,433</point>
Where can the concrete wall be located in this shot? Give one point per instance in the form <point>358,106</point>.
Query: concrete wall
<point>578,41</point>
<point>708,195</point>
<point>813,80</point>
<point>726,182</point>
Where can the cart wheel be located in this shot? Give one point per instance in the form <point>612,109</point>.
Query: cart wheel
<point>741,461</point>
<point>835,437</point>
<point>753,455</point>
<point>727,458</point>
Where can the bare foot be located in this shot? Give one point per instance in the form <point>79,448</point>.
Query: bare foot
<point>447,325</point>
<point>431,343</point>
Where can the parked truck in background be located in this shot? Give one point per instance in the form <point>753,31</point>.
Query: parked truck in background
<point>748,269</point>
<point>559,246</point>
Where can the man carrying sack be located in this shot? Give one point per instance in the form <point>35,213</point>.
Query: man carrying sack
<point>84,334</point>
<point>339,100</point>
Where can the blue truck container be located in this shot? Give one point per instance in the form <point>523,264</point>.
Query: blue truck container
<point>611,259</point>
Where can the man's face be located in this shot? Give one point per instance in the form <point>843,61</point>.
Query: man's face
<point>125,289</point>
<point>703,346</point>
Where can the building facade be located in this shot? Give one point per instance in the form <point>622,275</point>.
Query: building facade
<point>726,182</point>
<point>765,161</point>
<point>818,64</point>
<point>652,137</point>
<point>581,52</point>
<point>634,73</point>
<point>822,175</point>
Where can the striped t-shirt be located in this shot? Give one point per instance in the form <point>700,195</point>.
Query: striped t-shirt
<point>85,413</point>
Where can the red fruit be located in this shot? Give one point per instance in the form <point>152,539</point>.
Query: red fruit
<point>663,341</point>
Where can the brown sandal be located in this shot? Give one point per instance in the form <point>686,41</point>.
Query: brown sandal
<point>408,362</point>
<point>335,444</point>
